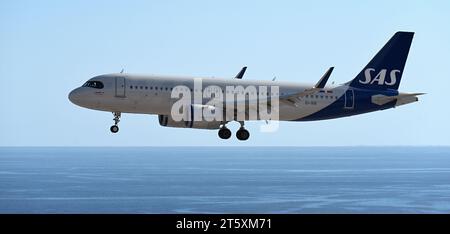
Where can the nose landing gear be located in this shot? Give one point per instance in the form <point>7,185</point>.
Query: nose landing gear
<point>115,127</point>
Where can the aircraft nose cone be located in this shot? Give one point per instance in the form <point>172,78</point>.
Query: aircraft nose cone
<point>75,96</point>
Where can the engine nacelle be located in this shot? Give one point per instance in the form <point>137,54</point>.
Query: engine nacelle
<point>207,112</point>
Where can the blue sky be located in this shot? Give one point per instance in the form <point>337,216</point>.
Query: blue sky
<point>47,48</point>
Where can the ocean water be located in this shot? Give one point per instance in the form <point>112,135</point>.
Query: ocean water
<point>225,180</point>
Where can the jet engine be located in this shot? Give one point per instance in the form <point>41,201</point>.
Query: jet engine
<point>207,112</point>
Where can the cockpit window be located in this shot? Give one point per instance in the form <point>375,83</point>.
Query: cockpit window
<point>93,84</point>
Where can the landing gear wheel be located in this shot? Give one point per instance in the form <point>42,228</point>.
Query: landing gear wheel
<point>242,134</point>
<point>224,133</point>
<point>114,129</point>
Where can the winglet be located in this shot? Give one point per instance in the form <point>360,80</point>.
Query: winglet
<point>241,73</point>
<point>324,79</point>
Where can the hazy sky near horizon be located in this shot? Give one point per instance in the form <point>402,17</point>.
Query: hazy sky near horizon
<point>48,48</point>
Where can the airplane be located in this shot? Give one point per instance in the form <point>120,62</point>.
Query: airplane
<point>374,88</point>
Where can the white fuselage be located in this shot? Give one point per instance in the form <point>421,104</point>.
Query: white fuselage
<point>152,94</point>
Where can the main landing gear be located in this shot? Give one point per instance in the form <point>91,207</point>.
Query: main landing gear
<point>115,127</point>
<point>242,134</point>
<point>224,132</point>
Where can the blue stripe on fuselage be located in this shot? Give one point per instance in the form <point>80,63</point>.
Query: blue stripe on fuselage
<point>362,104</point>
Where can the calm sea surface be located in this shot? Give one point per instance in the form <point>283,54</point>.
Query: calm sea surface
<point>225,180</point>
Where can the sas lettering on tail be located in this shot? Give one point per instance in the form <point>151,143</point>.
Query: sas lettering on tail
<point>380,78</point>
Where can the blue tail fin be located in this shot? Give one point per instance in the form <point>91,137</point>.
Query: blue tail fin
<point>385,70</point>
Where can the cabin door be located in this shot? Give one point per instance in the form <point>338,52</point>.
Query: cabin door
<point>120,87</point>
<point>349,99</point>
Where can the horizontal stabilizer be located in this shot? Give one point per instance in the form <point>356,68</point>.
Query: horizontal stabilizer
<point>380,99</point>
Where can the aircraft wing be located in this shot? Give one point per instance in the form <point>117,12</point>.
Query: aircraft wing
<point>241,73</point>
<point>294,98</point>
<point>291,99</point>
